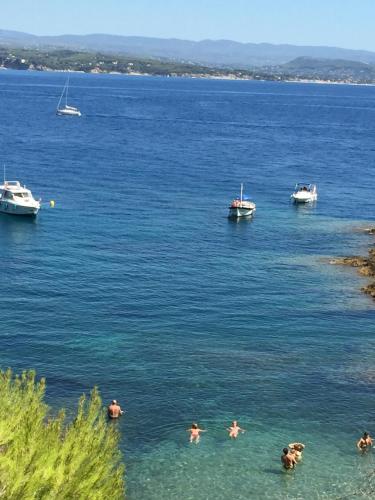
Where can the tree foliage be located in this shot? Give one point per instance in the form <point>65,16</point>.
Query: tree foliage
<point>45,457</point>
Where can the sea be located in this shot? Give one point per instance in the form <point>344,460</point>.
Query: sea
<point>138,283</point>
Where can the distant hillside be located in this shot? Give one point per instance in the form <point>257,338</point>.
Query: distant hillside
<point>314,63</point>
<point>207,52</point>
<point>302,68</point>
<point>36,59</point>
<point>328,69</point>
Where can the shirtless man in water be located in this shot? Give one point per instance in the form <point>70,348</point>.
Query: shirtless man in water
<point>234,429</point>
<point>288,460</point>
<point>114,410</point>
<point>365,442</point>
<point>194,433</point>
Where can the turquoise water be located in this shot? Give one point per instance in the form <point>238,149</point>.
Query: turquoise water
<point>137,282</point>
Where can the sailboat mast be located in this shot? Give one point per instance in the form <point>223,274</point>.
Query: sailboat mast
<point>241,192</point>
<point>61,96</point>
<point>66,94</point>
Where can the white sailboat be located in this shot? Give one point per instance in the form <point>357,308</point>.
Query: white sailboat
<point>241,206</point>
<point>66,110</point>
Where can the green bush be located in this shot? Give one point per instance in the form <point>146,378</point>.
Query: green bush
<point>44,457</point>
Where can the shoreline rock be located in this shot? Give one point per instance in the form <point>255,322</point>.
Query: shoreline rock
<point>369,290</point>
<point>365,265</point>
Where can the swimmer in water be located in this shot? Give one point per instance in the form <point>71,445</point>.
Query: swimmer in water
<point>365,442</point>
<point>288,460</point>
<point>195,433</point>
<point>234,429</point>
<point>297,449</point>
<point>114,410</point>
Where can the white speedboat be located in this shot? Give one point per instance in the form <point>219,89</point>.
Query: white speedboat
<point>66,110</point>
<point>304,193</point>
<point>15,199</point>
<point>241,206</point>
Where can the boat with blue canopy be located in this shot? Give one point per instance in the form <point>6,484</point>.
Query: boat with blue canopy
<point>241,206</point>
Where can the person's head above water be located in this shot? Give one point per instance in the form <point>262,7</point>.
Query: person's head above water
<point>114,402</point>
<point>194,425</point>
<point>365,435</point>
<point>285,451</point>
<point>296,446</point>
<point>234,423</point>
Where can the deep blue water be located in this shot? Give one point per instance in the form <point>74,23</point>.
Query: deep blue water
<point>137,282</point>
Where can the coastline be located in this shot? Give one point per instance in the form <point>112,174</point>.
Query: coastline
<point>198,76</point>
<point>365,265</point>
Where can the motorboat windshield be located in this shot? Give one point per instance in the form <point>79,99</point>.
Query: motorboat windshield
<point>300,186</point>
<point>22,194</point>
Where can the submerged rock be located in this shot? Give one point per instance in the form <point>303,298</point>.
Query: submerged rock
<point>369,289</point>
<point>367,230</point>
<point>365,266</point>
<point>350,261</point>
<point>367,270</point>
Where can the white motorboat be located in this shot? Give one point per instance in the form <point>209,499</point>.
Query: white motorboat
<point>241,206</point>
<point>66,110</point>
<point>15,199</point>
<point>304,193</point>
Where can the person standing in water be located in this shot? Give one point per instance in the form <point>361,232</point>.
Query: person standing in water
<point>114,410</point>
<point>234,429</point>
<point>288,460</point>
<point>195,433</point>
<point>365,442</point>
<point>297,449</point>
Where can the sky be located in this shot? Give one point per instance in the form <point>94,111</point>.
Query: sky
<point>341,23</point>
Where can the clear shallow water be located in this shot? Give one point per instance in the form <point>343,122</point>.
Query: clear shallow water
<point>138,283</point>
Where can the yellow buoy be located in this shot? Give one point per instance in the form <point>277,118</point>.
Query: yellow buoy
<point>52,203</point>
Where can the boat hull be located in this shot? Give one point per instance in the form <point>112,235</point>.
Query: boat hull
<point>68,112</point>
<point>236,212</point>
<point>298,198</point>
<point>7,207</point>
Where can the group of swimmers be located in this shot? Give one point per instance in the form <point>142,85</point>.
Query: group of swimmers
<point>292,454</point>
<point>195,431</point>
<point>365,442</point>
